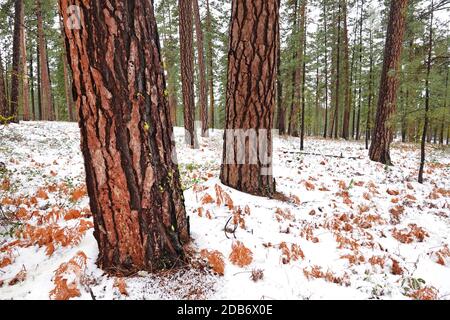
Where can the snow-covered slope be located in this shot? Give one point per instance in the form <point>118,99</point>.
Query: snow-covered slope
<point>342,228</point>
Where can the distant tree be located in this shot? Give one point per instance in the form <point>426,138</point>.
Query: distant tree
<point>15,75</point>
<point>187,69</point>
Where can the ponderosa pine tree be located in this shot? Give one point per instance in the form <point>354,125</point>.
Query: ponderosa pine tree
<point>24,74</point>
<point>187,69</point>
<point>251,96</point>
<point>46,99</point>
<point>3,98</point>
<point>387,98</point>
<point>131,175</point>
<point>210,62</point>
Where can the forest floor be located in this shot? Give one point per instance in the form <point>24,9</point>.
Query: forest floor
<point>348,228</point>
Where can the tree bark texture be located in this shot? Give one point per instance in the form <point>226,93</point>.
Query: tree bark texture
<point>387,100</point>
<point>126,135</point>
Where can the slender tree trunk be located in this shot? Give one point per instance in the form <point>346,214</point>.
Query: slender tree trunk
<point>251,96</point>
<point>302,133</point>
<point>281,114</point>
<point>335,123</point>
<point>293,83</point>
<point>15,73</point>
<point>427,96</point>
<point>347,88</point>
<point>210,58</point>
<point>202,69</point>
<point>31,76</point>
<point>441,135</point>
<point>370,93</point>
<point>133,183</point>
<point>387,100</point>
<point>3,98</point>
<point>46,93</point>
<point>317,102</point>
<point>325,22</point>
<point>24,72</point>
<point>187,70</point>
<point>67,85</point>
<point>294,116</point>
<point>360,84</point>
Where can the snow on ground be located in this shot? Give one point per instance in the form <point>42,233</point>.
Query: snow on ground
<point>345,227</point>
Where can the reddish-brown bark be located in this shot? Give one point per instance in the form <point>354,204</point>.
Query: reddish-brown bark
<point>15,72</point>
<point>3,99</point>
<point>132,178</point>
<point>201,70</point>
<point>46,99</point>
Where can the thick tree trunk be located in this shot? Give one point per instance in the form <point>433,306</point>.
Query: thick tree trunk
<point>132,178</point>
<point>201,69</point>
<point>3,98</point>
<point>46,92</point>
<point>251,96</point>
<point>15,72</point>
<point>24,72</point>
<point>347,88</point>
<point>387,100</point>
<point>187,70</point>
<point>210,58</point>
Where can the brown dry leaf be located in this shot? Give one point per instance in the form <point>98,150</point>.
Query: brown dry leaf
<point>240,255</point>
<point>393,192</point>
<point>77,194</point>
<point>207,199</point>
<point>41,194</point>
<point>6,184</point>
<point>396,269</point>
<point>215,260</point>
<point>74,269</point>
<point>223,198</point>
<point>72,214</point>
<point>121,285</point>
<point>310,186</point>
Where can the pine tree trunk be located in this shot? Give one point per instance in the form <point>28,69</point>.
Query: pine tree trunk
<point>325,27</point>
<point>187,70</point>
<point>15,73</point>
<point>302,130</point>
<point>210,58</point>
<point>427,97</point>
<point>347,88</point>
<point>281,111</point>
<point>294,116</point>
<point>370,93</point>
<point>294,79</point>
<point>31,76</point>
<point>387,100</point>
<point>201,69</point>
<point>24,72</point>
<point>251,96</point>
<point>133,183</point>
<point>46,93</point>
<point>39,98</point>
<point>67,91</point>
<point>3,98</point>
<point>334,129</point>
